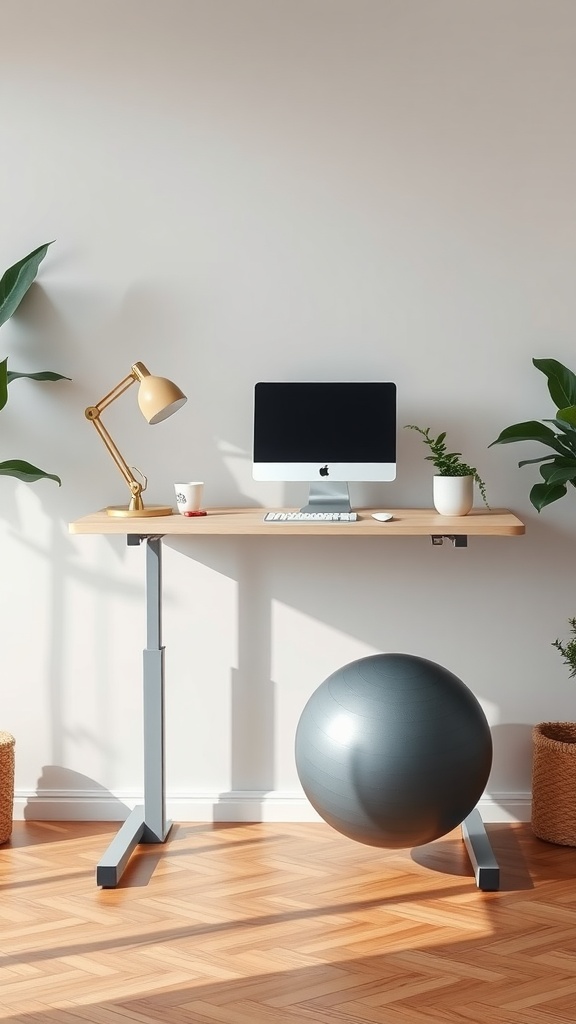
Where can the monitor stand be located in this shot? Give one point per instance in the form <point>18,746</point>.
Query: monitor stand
<point>328,496</point>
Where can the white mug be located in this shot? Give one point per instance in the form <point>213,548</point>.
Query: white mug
<point>189,496</point>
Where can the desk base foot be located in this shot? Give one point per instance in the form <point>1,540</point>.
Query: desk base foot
<point>486,869</point>
<point>134,831</point>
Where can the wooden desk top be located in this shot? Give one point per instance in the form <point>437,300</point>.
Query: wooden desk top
<point>232,522</point>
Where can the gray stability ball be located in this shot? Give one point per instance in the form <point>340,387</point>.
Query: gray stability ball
<point>393,750</point>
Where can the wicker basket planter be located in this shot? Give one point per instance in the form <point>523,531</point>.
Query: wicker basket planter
<point>6,785</point>
<point>554,782</point>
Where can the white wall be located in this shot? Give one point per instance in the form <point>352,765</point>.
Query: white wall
<point>244,190</point>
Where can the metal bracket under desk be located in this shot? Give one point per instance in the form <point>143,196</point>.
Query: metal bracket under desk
<point>147,823</point>
<point>458,540</point>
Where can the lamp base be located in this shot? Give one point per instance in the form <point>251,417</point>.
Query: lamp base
<point>148,510</point>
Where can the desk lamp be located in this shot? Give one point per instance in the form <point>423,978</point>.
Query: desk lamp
<point>158,398</point>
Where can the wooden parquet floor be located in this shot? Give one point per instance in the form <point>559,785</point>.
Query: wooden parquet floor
<point>242,924</point>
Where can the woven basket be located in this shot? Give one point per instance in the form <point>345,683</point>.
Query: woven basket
<point>554,782</point>
<point>6,785</point>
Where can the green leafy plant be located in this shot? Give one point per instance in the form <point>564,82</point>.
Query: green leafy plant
<point>558,468</point>
<point>448,463</point>
<point>568,649</point>
<point>13,287</point>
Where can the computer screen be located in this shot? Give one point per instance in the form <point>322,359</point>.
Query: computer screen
<point>327,434</point>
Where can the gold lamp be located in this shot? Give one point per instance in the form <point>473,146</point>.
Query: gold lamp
<point>158,398</point>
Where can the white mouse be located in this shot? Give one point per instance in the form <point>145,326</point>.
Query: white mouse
<point>382,517</point>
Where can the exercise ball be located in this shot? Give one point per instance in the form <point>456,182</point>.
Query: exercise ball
<point>393,750</point>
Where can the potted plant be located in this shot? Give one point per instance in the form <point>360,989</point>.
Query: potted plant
<point>558,467</point>
<point>554,767</point>
<point>13,286</point>
<point>453,485</point>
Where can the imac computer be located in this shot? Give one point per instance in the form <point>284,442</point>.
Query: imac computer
<point>326,434</point>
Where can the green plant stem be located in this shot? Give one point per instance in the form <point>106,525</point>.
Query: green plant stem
<point>448,463</point>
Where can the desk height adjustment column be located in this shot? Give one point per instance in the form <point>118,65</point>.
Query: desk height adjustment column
<point>146,824</point>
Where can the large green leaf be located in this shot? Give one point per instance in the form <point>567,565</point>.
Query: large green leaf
<point>17,280</point>
<point>554,474</point>
<point>567,415</point>
<point>566,435</point>
<point>562,461</point>
<point>3,383</point>
<point>530,430</point>
<point>544,494</point>
<point>42,375</point>
<point>543,458</point>
<point>561,382</point>
<point>25,471</point>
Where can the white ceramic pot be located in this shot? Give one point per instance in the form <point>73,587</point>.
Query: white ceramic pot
<point>453,495</point>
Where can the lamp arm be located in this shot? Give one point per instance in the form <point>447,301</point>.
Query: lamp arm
<point>114,394</point>
<point>92,413</point>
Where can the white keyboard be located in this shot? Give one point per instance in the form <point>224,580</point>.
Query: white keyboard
<point>310,517</point>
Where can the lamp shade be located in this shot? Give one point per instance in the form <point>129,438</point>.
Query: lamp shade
<point>158,397</point>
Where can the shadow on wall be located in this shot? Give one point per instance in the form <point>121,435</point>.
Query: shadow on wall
<point>512,759</point>
<point>405,580</point>
<point>63,795</point>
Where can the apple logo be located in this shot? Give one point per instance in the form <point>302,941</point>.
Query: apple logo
<point>324,471</point>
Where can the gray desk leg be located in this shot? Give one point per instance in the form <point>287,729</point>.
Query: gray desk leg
<point>486,869</point>
<point>146,824</point>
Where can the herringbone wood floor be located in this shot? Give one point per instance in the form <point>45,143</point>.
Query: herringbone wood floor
<point>240,924</point>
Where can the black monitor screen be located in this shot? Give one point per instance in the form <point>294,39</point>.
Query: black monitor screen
<point>325,422</point>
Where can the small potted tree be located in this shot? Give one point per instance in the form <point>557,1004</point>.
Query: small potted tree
<point>554,743</point>
<point>453,484</point>
<point>13,286</point>
<point>554,767</point>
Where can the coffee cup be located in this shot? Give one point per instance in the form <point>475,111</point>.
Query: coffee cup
<point>189,497</point>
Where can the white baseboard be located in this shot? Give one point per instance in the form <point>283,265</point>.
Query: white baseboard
<point>240,806</point>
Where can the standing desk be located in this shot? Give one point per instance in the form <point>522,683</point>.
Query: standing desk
<point>147,823</point>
